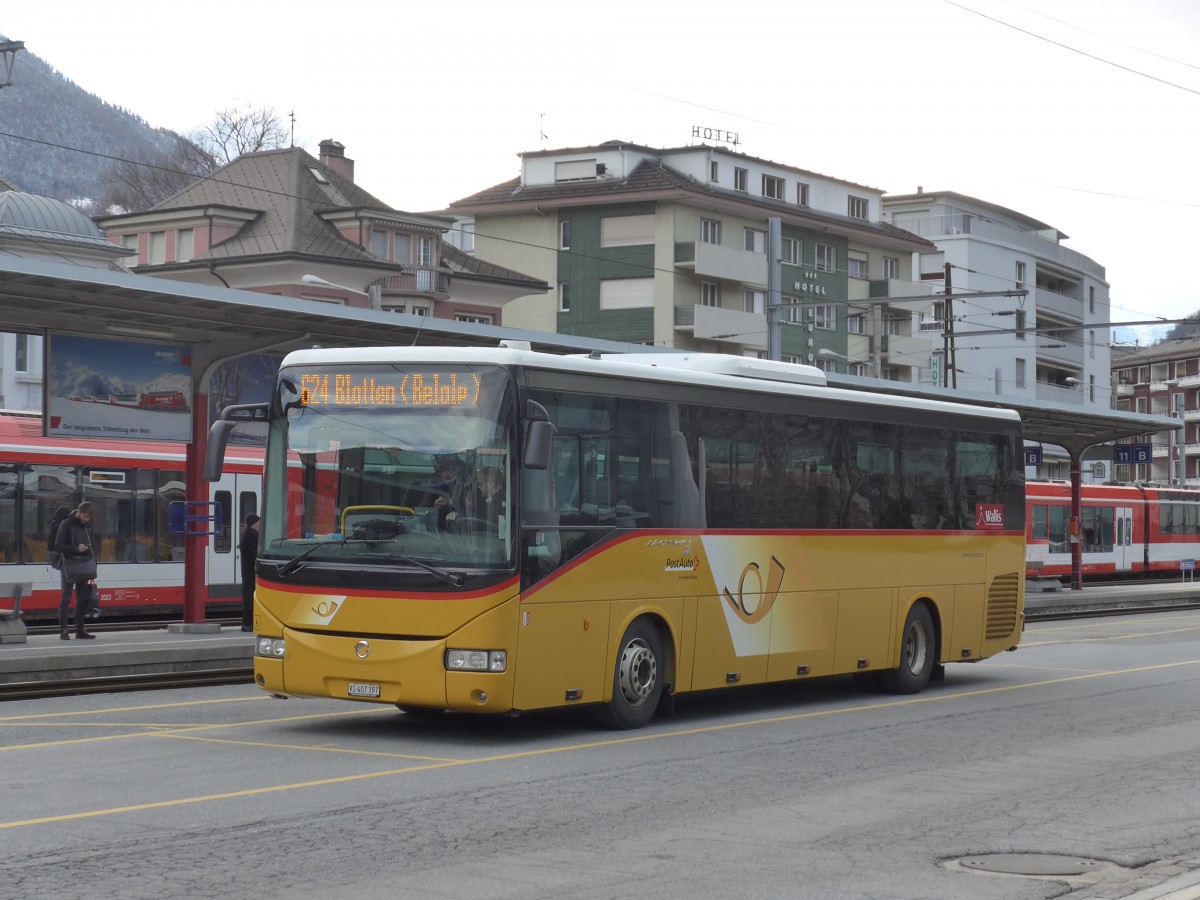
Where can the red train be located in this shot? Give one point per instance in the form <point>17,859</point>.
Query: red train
<point>1125,529</point>
<point>131,484</point>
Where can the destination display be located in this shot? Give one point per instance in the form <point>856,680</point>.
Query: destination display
<point>428,389</point>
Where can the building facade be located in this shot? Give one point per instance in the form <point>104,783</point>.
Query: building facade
<point>284,223</point>
<point>1164,380</point>
<point>672,247</point>
<point>1049,344</point>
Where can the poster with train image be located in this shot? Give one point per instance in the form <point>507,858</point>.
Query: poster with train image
<point>118,389</point>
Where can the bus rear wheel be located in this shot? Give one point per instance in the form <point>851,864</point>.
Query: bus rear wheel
<point>637,679</point>
<point>916,654</point>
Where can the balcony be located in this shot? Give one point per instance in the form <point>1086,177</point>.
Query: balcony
<point>1060,350</point>
<point>1191,415</point>
<point>725,263</point>
<point>1062,306</point>
<point>711,323</point>
<point>419,281</point>
<point>1189,381</point>
<point>1124,390</point>
<point>1054,393</point>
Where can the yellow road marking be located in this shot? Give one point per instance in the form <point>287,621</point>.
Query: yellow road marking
<point>591,745</point>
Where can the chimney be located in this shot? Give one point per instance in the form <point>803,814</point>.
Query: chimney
<point>333,155</point>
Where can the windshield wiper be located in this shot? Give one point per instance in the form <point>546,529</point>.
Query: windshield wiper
<point>283,570</point>
<point>448,577</point>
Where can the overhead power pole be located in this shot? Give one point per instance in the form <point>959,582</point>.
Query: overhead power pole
<point>949,379</point>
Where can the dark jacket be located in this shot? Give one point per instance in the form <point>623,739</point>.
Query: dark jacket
<point>249,548</point>
<point>71,533</point>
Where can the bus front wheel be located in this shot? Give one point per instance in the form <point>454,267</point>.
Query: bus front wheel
<point>637,679</point>
<point>916,654</point>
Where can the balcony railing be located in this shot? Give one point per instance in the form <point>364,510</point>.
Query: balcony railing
<point>419,281</point>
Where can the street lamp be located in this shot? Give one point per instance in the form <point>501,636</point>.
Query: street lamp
<point>314,279</point>
<point>8,53</point>
<point>826,353</point>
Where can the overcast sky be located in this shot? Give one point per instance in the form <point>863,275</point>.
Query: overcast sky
<point>1083,113</point>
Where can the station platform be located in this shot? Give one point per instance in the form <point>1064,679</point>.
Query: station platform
<point>175,650</point>
<point>181,649</point>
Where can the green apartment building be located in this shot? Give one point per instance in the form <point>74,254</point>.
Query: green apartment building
<point>671,248</point>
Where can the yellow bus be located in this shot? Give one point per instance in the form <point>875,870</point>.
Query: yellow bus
<point>497,530</point>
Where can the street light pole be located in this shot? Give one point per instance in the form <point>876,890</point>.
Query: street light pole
<point>8,53</point>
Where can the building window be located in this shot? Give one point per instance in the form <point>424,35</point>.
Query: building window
<point>856,324</point>
<point>1091,298</point>
<point>130,242</point>
<point>185,245</point>
<point>158,248</point>
<point>710,293</point>
<point>1092,344</point>
<point>739,179</point>
<point>1019,323</point>
<point>754,301</point>
<point>402,248</point>
<point>710,231</point>
<point>856,264</point>
<point>21,362</point>
<point>564,235</point>
<point>425,252</point>
<point>756,241</point>
<point>824,317</point>
<point>474,319</point>
<point>858,208</point>
<point>790,249</point>
<point>1020,275</point>
<point>626,293</point>
<point>893,324</point>
<point>772,187</point>
<point>891,267</point>
<point>858,370</point>
<point>379,243</point>
<point>564,297</point>
<point>792,310</point>
<point>1019,374</point>
<point>712,171</point>
<point>627,231</point>
<point>418,309</point>
<point>826,258</point>
<point>802,194</point>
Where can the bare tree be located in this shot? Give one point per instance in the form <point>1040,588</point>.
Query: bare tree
<point>235,131</point>
<point>137,185</point>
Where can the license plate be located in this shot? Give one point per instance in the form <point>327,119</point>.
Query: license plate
<point>359,689</point>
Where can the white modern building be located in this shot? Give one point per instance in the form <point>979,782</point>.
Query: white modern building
<point>1049,345</point>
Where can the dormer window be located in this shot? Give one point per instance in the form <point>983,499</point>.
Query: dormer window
<point>318,174</point>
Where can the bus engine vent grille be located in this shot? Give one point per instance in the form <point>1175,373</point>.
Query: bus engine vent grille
<point>1003,596</point>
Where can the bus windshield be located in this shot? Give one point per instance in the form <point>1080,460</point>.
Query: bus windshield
<point>389,466</point>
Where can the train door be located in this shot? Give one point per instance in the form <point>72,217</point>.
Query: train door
<point>234,497</point>
<point>1123,546</point>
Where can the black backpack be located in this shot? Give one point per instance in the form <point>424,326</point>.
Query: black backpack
<point>52,555</point>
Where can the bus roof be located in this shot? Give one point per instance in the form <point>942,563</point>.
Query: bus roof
<point>708,369</point>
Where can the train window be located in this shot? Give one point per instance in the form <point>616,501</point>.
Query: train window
<point>139,538</point>
<point>223,539</point>
<point>1058,529</point>
<point>110,492</point>
<point>247,504</point>
<point>170,488</point>
<point>10,531</point>
<point>1097,529</point>
<point>1037,527</point>
<point>45,489</point>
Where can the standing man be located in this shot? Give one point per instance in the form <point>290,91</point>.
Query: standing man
<point>74,542</point>
<point>249,548</point>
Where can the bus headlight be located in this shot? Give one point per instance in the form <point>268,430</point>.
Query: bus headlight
<point>477,660</point>
<point>272,647</point>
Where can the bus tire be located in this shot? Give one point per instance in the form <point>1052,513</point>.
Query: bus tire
<point>637,678</point>
<point>917,652</point>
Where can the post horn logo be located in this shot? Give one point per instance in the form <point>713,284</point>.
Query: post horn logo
<point>766,598</point>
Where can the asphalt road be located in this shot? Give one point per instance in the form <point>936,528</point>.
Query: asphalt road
<point>1085,743</point>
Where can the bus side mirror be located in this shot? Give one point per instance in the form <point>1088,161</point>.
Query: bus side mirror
<point>537,445</point>
<point>218,434</point>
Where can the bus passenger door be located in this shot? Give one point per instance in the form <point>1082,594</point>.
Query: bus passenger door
<point>1123,549</point>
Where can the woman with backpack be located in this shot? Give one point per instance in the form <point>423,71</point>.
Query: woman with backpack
<point>74,542</point>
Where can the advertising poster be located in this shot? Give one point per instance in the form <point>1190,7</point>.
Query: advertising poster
<point>118,389</point>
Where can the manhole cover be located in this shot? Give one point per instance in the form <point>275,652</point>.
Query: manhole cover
<point>1031,864</point>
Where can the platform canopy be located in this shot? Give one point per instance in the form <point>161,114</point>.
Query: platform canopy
<point>1074,428</point>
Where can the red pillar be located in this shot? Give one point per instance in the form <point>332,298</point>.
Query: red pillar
<point>195,581</point>
<point>1075,529</point>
